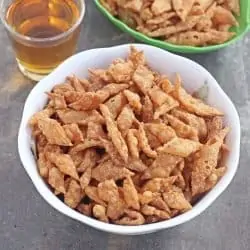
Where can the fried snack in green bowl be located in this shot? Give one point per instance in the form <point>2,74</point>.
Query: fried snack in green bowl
<point>243,27</point>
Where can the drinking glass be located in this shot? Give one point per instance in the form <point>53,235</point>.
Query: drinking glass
<point>43,33</point>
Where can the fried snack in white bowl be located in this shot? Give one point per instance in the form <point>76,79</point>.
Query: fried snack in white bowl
<point>195,79</point>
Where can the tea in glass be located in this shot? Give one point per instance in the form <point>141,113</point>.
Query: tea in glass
<point>43,32</point>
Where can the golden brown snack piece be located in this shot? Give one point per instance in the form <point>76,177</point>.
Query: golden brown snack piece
<point>143,78</point>
<point>157,185</point>
<point>44,165</point>
<point>95,131</point>
<point>87,101</point>
<point>180,147</point>
<point>88,143</point>
<point>203,167</point>
<point>77,84</point>
<point>115,208</point>
<point>150,210</point>
<point>73,195</point>
<point>73,132</point>
<point>54,132</point>
<point>133,143</point>
<point>56,180</point>
<point>136,165</point>
<point>143,142</point>
<point>85,178</point>
<point>68,116</point>
<point>192,104</point>
<point>130,194</point>
<point>132,218</point>
<point>115,104</point>
<point>161,131</point>
<point>197,38</point>
<point>176,200</point>
<point>107,190</point>
<point>133,100</point>
<point>43,114</point>
<point>125,120</point>
<point>183,7</point>
<point>194,121</point>
<point>87,158</point>
<point>62,88</point>
<point>107,171</point>
<point>65,164</point>
<point>114,133</point>
<point>161,6</point>
<point>57,101</point>
<point>99,212</point>
<point>182,130</point>
<point>92,193</point>
<point>147,110</point>
<point>111,90</point>
<point>121,71</point>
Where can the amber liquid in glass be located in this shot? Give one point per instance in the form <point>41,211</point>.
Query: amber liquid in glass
<point>43,19</point>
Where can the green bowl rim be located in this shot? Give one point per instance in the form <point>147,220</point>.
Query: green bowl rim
<point>169,46</point>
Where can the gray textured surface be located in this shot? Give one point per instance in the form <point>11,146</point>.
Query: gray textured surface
<point>28,222</point>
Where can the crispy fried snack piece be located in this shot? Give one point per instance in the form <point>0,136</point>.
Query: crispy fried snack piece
<point>150,210</point>
<point>85,178</point>
<point>180,147</point>
<point>125,120</point>
<point>114,133</point>
<point>57,101</point>
<point>92,193</point>
<point>160,6</point>
<point>147,110</point>
<point>130,194</point>
<point>43,114</point>
<point>107,190</point>
<point>115,104</point>
<point>56,180</point>
<point>132,218</point>
<point>176,200</point>
<point>194,121</point>
<point>74,194</point>
<point>68,116</point>
<point>182,130</point>
<point>192,104</point>
<point>143,142</point>
<point>54,132</point>
<point>133,100</point>
<point>203,167</point>
<point>133,143</point>
<point>107,171</point>
<point>99,212</point>
<point>87,101</point>
<point>73,132</point>
<point>64,163</point>
<point>95,131</point>
<point>111,90</point>
<point>143,78</point>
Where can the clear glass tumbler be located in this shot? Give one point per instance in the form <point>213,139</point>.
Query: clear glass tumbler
<point>43,32</point>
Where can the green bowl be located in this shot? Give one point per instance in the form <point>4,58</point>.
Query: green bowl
<point>244,27</point>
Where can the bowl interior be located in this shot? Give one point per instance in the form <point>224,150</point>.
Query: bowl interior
<point>243,19</point>
<point>194,76</point>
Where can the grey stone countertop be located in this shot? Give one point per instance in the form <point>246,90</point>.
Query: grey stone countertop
<point>28,222</point>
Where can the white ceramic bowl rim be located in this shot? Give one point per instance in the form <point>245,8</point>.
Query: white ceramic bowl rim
<point>30,166</point>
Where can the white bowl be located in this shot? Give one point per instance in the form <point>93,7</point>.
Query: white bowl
<point>193,75</point>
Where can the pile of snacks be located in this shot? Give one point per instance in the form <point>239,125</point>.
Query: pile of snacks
<point>127,146</point>
<point>182,22</point>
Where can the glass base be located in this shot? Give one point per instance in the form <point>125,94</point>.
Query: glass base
<point>31,75</point>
